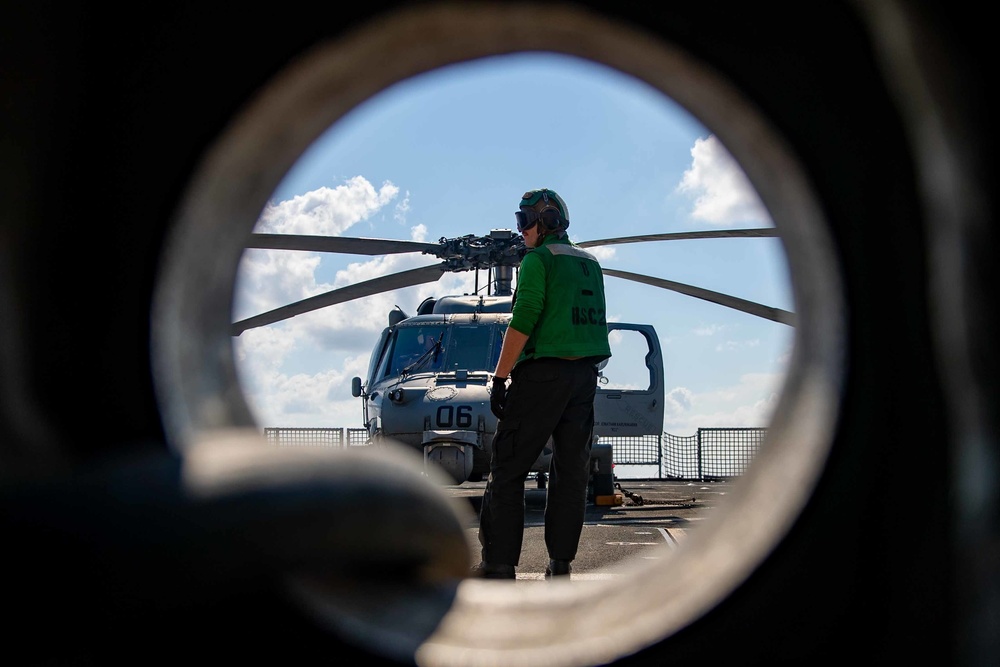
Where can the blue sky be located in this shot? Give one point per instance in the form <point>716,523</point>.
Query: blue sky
<point>448,154</point>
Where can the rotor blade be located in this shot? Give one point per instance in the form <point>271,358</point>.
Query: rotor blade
<point>424,274</point>
<point>757,232</point>
<point>760,310</point>
<point>344,244</point>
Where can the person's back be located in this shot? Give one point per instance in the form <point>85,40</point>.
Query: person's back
<point>571,306</point>
<point>557,334</point>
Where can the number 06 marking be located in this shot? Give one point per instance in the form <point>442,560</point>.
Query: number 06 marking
<point>449,416</point>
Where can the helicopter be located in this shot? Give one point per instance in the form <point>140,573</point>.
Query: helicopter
<point>428,376</point>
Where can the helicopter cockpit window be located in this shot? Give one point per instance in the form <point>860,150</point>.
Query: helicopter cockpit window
<point>414,350</point>
<point>474,348</point>
<point>495,345</point>
<point>378,355</point>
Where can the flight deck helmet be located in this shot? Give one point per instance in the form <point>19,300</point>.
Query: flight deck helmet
<point>543,207</point>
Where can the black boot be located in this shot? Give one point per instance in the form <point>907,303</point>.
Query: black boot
<point>486,570</point>
<point>557,568</point>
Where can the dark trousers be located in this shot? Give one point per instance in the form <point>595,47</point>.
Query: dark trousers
<point>546,397</point>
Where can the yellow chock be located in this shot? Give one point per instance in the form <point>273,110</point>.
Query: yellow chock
<point>613,499</point>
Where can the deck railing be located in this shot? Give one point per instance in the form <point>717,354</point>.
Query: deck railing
<point>710,453</point>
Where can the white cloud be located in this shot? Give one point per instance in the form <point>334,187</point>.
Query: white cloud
<point>679,400</point>
<point>320,399</point>
<point>732,345</point>
<point>603,253</point>
<point>418,233</point>
<point>402,208</point>
<point>326,211</point>
<point>750,403</point>
<point>723,194</point>
<point>708,329</point>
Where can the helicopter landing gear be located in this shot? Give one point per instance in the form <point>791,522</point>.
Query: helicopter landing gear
<point>602,478</point>
<point>542,479</point>
<point>454,459</point>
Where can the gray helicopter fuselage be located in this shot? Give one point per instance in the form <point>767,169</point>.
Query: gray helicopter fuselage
<point>427,384</point>
<point>428,381</point>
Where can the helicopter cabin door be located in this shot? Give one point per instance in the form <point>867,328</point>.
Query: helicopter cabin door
<point>629,400</point>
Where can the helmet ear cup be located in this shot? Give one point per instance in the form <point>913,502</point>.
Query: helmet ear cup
<point>551,219</point>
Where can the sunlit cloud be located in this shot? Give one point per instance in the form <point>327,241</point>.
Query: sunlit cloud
<point>602,253</point>
<point>326,211</point>
<point>316,400</point>
<point>750,403</point>
<point>723,194</point>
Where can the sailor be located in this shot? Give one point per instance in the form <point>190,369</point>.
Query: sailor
<point>557,335</point>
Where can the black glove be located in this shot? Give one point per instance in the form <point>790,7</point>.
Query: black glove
<point>498,396</point>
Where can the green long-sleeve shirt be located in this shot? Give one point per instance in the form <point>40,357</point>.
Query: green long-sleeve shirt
<point>559,302</point>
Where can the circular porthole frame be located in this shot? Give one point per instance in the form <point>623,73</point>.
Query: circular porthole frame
<point>490,623</point>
